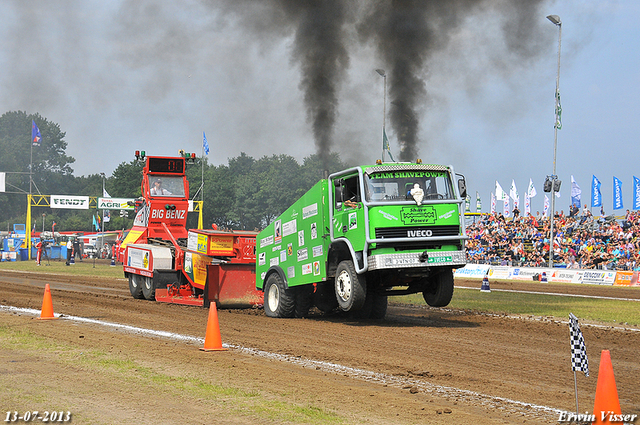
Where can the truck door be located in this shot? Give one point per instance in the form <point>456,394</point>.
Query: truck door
<point>348,216</point>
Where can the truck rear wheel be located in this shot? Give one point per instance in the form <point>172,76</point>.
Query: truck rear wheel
<point>350,287</point>
<point>325,297</point>
<point>304,300</point>
<point>148,288</point>
<point>135,286</point>
<point>440,290</point>
<point>375,306</point>
<point>279,300</point>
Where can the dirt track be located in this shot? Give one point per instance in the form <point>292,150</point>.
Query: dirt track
<point>434,365</point>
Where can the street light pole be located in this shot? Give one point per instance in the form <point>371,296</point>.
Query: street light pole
<point>383,74</point>
<point>555,19</point>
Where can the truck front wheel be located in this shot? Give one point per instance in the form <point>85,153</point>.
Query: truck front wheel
<point>135,286</point>
<point>440,291</point>
<point>350,287</point>
<point>278,299</point>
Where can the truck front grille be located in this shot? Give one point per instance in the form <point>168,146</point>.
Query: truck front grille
<point>416,232</point>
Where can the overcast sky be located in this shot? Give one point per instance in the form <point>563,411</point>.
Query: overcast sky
<point>153,75</point>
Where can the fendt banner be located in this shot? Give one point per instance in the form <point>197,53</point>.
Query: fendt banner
<point>70,202</point>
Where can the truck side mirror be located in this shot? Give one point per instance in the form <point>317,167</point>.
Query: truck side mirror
<point>462,187</point>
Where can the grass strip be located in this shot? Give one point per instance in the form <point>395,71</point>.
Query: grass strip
<point>87,267</point>
<point>522,303</point>
<point>115,367</point>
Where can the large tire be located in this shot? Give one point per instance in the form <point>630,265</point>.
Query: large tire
<point>279,301</point>
<point>148,288</point>
<point>440,291</point>
<point>325,297</point>
<point>375,306</point>
<point>350,287</point>
<point>304,300</point>
<point>135,286</point>
<point>378,307</point>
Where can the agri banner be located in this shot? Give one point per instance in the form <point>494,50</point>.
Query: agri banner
<point>70,202</point>
<point>115,203</point>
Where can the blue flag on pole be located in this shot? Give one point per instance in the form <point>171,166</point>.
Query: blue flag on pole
<point>617,193</point>
<point>35,134</point>
<point>636,193</point>
<point>596,196</point>
<point>205,144</point>
<point>575,193</point>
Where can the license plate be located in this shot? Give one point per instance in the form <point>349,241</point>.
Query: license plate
<point>402,261</point>
<point>446,259</point>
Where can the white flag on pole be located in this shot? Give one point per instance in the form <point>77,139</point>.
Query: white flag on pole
<point>531,190</point>
<point>546,206</point>
<point>500,195</point>
<point>513,192</point>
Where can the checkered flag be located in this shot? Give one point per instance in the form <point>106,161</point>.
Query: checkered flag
<point>579,360</point>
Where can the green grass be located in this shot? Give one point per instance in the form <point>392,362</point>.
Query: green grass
<point>115,366</point>
<point>101,268</point>
<point>608,311</point>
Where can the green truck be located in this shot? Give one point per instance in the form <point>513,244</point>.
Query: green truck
<point>361,235</point>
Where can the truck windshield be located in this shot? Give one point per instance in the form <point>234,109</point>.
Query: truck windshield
<point>396,186</point>
<point>166,186</point>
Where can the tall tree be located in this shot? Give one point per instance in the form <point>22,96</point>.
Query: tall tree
<point>127,180</point>
<point>52,172</point>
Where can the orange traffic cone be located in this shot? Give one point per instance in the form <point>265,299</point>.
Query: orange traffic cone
<point>47,306</point>
<point>212,340</point>
<point>607,402</point>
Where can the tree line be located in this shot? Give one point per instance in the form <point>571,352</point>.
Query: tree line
<point>244,194</point>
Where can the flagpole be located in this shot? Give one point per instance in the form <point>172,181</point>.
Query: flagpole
<point>555,19</point>
<point>383,74</point>
<point>28,220</point>
<point>575,383</point>
<point>102,233</point>
<point>200,225</point>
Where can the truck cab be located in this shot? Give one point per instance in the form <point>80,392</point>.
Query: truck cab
<point>388,229</point>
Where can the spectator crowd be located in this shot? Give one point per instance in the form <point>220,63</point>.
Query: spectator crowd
<point>580,240</point>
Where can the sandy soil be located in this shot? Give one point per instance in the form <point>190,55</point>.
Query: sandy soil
<point>420,365</point>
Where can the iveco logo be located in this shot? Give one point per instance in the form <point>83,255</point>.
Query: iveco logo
<point>419,233</point>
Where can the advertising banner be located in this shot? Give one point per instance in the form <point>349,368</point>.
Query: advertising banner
<point>559,275</point>
<point>564,275</point>
<point>626,279</point>
<point>472,270</point>
<point>500,272</point>
<point>526,273</point>
<point>115,203</point>
<point>597,277</point>
<point>70,202</point>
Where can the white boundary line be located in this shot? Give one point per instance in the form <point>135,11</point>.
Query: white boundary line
<point>365,375</point>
